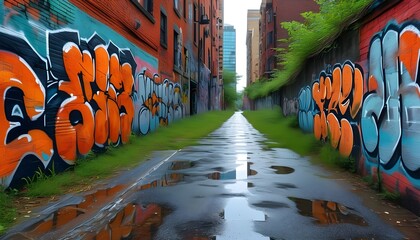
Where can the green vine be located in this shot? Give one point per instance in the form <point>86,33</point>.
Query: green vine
<point>308,38</point>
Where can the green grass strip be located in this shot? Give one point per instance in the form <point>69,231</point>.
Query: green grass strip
<point>284,132</point>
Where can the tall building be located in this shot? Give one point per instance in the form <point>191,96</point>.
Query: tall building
<point>272,13</point>
<point>252,43</point>
<point>229,48</point>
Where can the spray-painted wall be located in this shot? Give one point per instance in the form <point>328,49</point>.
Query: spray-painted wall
<point>365,101</point>
<point>71,85</point>
<point>374,117</point>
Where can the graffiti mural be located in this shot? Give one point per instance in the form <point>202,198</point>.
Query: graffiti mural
<point>306,110</point>
<point>290,107</point>
<point>390,122</point>
<point>375,117</point>
<point>158,103</point>
<point>338,97</point>
<point>85,96</point>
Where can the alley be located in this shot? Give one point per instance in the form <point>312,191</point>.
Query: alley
<point>228,187</point>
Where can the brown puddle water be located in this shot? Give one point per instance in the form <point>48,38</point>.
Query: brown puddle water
<point>328,212</point>
<point>282,169</point>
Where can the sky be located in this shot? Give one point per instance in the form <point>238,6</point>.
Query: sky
<point>235,12</point>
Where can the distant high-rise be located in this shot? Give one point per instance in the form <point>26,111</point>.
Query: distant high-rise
<point>252,43</point>
<point>229,48</point>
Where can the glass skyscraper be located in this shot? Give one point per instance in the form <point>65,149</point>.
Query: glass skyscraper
<point>229,48</point>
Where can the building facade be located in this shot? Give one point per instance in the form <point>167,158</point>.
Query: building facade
<point>229,48</point>
<point>272,13</point>
<point>79,76</point>
<point>252,43</point>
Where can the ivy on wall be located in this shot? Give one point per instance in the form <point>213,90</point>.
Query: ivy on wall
<point>308,38</point>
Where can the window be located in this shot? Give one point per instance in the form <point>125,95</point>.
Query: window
<point>146,6</point>
<point>269,15</point>
<point>177,51</point>
<point>185,8</point>
<point>177,8</point>
<point>163,30</point>
<point>195,24</point>
<point>270,39</point>
<point>186,63</point>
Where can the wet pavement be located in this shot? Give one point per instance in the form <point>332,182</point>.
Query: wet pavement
<point>227,187</point>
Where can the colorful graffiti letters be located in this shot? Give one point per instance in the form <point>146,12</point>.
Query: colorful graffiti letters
<point>306,110</point>
<point>159,103</point>
<point>83,97</point>
<point>338,97</point>
<point>96,83</point>
<point>391,114</point>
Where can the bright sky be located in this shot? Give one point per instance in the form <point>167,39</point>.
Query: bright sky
<point>235,12</point>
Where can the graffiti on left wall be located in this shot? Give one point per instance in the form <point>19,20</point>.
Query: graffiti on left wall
<point>81,98</point>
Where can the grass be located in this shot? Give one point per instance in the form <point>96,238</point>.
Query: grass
<point>8,212</point>
<point>282,132</point>
<point>94,167</point>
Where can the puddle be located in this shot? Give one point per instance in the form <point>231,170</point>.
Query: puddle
<point>132,222</point>
<point>271,205</point>
<point>241,172</point>
<point>328,212</point>
<point>282,169</point>
<point>285,185</point>
<point>179,165</point>
<point>66,214</point>
<point>167,180</point>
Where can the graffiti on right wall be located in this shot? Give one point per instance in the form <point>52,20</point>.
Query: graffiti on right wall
<point>373,113</point>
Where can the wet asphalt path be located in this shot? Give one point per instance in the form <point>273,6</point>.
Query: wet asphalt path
<point>227,187</point>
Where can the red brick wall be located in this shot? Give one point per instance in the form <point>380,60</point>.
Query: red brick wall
<point>121,16</point>
<point>402,11</point>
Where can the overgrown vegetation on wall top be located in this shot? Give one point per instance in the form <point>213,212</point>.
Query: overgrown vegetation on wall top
<point>308,38</point>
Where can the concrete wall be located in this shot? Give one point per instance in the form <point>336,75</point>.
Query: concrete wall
<point>362,95</point>
<point>71,84</point>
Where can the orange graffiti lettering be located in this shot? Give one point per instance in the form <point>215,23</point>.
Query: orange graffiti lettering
<point>28,106</point>
<point>338,96</point>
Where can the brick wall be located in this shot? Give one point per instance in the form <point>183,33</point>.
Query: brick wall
<point>404,10</point>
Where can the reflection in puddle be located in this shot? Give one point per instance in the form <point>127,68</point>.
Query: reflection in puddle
<point>167,180</point>
<point>179,165</point>
<point>66,214</point>
<point>285,185</point>
<point>134,222</point>
<point>282,169</point>
<point>327,212</point>
<point>271,204</point>
<point>239,173</point>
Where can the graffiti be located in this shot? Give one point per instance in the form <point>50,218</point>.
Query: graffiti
<point>94,84</point>
<point>159,103</point>
<point>338,98</point>
<point>306,110</point>
<point>84,97</point>
<point>290,107</point>
<point>390,120</point>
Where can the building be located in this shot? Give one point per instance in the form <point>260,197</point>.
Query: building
<point>229,48</point>
<point>272,13</point>
<point>252,43</point>
<point>98,71</point>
